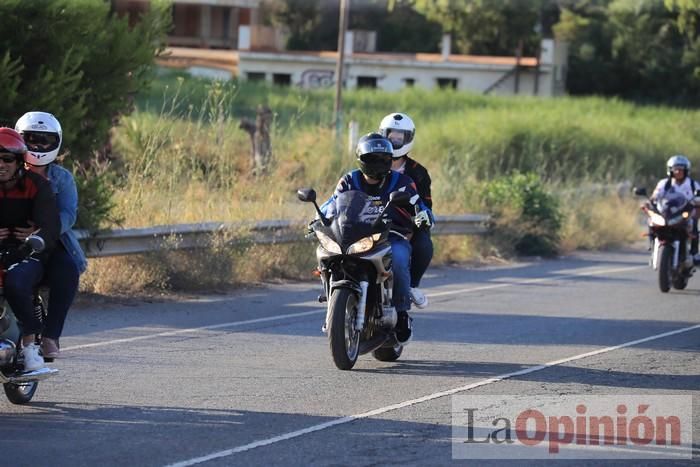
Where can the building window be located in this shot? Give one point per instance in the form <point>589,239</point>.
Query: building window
<point>255,76</point>
<point>366,82</point>
<point>409,82</point>
<point>282,79</point>
<point>447,83</point>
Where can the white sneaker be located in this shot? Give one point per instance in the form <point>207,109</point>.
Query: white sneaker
<point>418,298</point>
<point>32,360</point>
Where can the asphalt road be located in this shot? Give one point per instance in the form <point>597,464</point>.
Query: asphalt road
<point>247,378</point>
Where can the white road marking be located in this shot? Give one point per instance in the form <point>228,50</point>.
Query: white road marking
<point>308,313</point>
<point>192,330</point>
<point>427,398</point>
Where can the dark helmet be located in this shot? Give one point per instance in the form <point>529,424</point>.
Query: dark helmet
<point>374,153</point>
<point>678,160</point>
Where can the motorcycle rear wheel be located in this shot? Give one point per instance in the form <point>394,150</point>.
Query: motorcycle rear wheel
<point>344,339</point>
<point>388,354</point>
<point>680,282</point>
<point>20,393</point>
<point>665,268</point>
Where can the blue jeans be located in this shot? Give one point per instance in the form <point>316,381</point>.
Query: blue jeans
<point>63,278</point>
<point>422,254</point>
<point>20,282</point>
<point>401,260</point>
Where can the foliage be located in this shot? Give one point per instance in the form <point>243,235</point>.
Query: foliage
<point>487,27</point>
<point>77,60</point>
<point>646,51</point>
<point>527,217</point>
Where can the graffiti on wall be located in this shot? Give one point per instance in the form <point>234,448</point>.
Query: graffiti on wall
<point>317,79</point>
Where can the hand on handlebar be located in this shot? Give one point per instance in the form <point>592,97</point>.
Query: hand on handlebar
<point>21,233</point>
<point>422,221</point>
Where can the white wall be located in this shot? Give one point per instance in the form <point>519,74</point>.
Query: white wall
<point>315,71</point>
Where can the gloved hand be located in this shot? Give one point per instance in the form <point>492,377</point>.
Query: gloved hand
<point>422,220</point>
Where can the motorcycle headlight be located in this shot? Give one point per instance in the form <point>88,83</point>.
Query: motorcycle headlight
<point>328,243</point>
<point>657,219</point>
<point>364,244</point>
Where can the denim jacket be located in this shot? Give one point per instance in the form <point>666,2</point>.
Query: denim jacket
<point>63,185</point>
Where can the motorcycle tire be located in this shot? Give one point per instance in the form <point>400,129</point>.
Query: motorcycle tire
<point>388,354</point>
<point>20,393</point>
<point>343,338</point>
<point>680,283</point>
<point>665,268</point>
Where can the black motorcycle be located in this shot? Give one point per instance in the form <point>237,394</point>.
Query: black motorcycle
<point>19,385</point>
<point>670,229</point>
<point>354,262</point>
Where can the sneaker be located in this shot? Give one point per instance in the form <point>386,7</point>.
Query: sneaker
<point>418,298</point>
<point>403,327</point>
<point>49,348</point>
<point>32,360</point>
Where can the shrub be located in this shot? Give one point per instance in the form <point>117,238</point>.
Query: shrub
<point>527,220</point>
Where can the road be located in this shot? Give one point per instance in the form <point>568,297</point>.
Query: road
<point>247,379</point>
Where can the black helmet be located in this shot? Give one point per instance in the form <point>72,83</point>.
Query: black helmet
<point>374,153</point>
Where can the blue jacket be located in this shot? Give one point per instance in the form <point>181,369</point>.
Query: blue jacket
<point>393,182</point>
<point>63,185</point>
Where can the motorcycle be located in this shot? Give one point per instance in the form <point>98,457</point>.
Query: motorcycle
<point>354,257</point>
<point>19,385</point>
<point>670,228</point>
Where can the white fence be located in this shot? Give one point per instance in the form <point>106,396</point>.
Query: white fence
<point>187,236</point>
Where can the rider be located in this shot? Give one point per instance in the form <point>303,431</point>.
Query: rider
<point>375,177</point>
<point>678,180</point>
<point>43,136</point>
<point>400,130</point>
<point>27,200</point>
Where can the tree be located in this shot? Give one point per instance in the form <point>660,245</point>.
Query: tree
<point>77,60</point>
<point>488,27</point>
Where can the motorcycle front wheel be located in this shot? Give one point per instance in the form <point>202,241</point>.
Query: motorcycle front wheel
<point>665,268</point>
<point>343,336</point>
<point>20,393</point>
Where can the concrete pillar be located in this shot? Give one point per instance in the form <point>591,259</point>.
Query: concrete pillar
<point>446,46</point>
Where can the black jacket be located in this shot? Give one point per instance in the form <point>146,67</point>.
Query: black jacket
<point>419,175</point>
<point>31,199</point>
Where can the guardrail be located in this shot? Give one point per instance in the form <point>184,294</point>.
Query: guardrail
<point>188,236</point>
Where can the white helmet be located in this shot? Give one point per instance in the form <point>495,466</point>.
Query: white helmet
<point>43,135</point>
<point>401,124</point>
<point>678,160</point>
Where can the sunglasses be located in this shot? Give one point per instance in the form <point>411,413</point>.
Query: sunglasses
<point>8,159</point>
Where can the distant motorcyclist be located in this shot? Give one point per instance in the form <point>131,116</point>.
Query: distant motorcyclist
<point>400,130</point>
<point>376,179</point>
<point>679,181</point>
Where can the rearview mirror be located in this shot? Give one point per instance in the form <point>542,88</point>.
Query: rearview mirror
<point>639,191</point>
<point>399,197</point>
<point>307,195</point>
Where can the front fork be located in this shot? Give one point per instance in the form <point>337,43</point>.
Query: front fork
<point>361,307</point>
<point>657,253</point>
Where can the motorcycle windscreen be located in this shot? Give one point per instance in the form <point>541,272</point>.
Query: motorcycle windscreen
<point>671,202</point>
<point>353,214</point>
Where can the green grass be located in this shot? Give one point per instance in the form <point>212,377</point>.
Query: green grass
<point>182,158</point>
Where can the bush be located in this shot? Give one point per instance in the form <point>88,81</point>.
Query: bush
<point>77,60</point>
<point>527,220</point>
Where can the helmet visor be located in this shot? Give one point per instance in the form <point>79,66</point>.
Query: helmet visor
<point>379,158</point>
<point>41,141</point>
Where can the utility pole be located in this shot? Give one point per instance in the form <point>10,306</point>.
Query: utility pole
<point>338,105</point>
